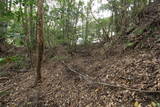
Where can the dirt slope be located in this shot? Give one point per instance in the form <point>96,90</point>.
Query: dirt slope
<point>62,88</point>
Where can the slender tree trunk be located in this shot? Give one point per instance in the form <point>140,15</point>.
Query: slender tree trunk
<point>40,40</point>
<point>26,27</point>
<point>10,5</point>
<point>31,33</point>
<point>3,25</point>
<point>86,27</point>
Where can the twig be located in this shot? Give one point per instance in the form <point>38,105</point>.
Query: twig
<point>86,77</point>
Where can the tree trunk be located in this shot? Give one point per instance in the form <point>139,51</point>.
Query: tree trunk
<point>3,26</point>
<point>86,27</point>
<point>40,40</point>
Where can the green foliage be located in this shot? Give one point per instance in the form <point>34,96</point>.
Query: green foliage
<point>4,14</point>
<point>18,62</point>
<point>62,22</point>
<point>17,59</point>
<point>129,45</point>
<point>3,60</point>
<point>69,19</point>
<point>4,93</point>
<point>138,31</point>
<point>7,17</point>
<point>15,39</point>
<point>60,58</point>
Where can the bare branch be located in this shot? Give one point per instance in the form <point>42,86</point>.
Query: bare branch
<point>88,78</point>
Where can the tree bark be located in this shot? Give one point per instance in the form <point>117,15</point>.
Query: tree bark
<point>40,40</point>
<point>3,26</point>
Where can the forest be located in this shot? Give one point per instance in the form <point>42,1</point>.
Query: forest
<point>79,53</point>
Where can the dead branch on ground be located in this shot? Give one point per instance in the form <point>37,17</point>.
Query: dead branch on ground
<point>90,79</point>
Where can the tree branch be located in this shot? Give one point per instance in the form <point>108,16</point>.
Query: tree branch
<point>91,79</point>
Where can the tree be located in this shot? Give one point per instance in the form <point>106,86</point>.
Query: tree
<point>4,13</point>
<point>61,24</point>
<point>40,41</point>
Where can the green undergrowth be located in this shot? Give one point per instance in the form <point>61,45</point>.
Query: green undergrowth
<point>59,58</point>
<point>17,60</point>
<point>4,93</point>
<point>10,59</point>
<point>129,45</point>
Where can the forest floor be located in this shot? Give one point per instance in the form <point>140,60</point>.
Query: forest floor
<point>92,76</point>
<point>86,78</point>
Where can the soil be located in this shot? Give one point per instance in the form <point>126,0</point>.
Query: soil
<point>135,69</point>
<point>92,76</point>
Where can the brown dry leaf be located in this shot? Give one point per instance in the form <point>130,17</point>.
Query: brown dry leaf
<point>97,90</point>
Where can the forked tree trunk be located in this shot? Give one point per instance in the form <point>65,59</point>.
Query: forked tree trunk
<point>40,40</point>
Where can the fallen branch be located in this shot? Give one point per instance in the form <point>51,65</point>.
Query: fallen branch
<point>4,78</point>
<point>91,79</point>
<point>86,77</point>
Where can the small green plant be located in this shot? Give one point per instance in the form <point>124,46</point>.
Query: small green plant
<point>2,60</point>
<point>129,44</point>
<point>10,59</point>
<point>18,60</point>
<point>138,31</point>
<point>4,93</point>
<point>59,58</point>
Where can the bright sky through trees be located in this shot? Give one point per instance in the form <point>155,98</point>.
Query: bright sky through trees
<point>95,9</point>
